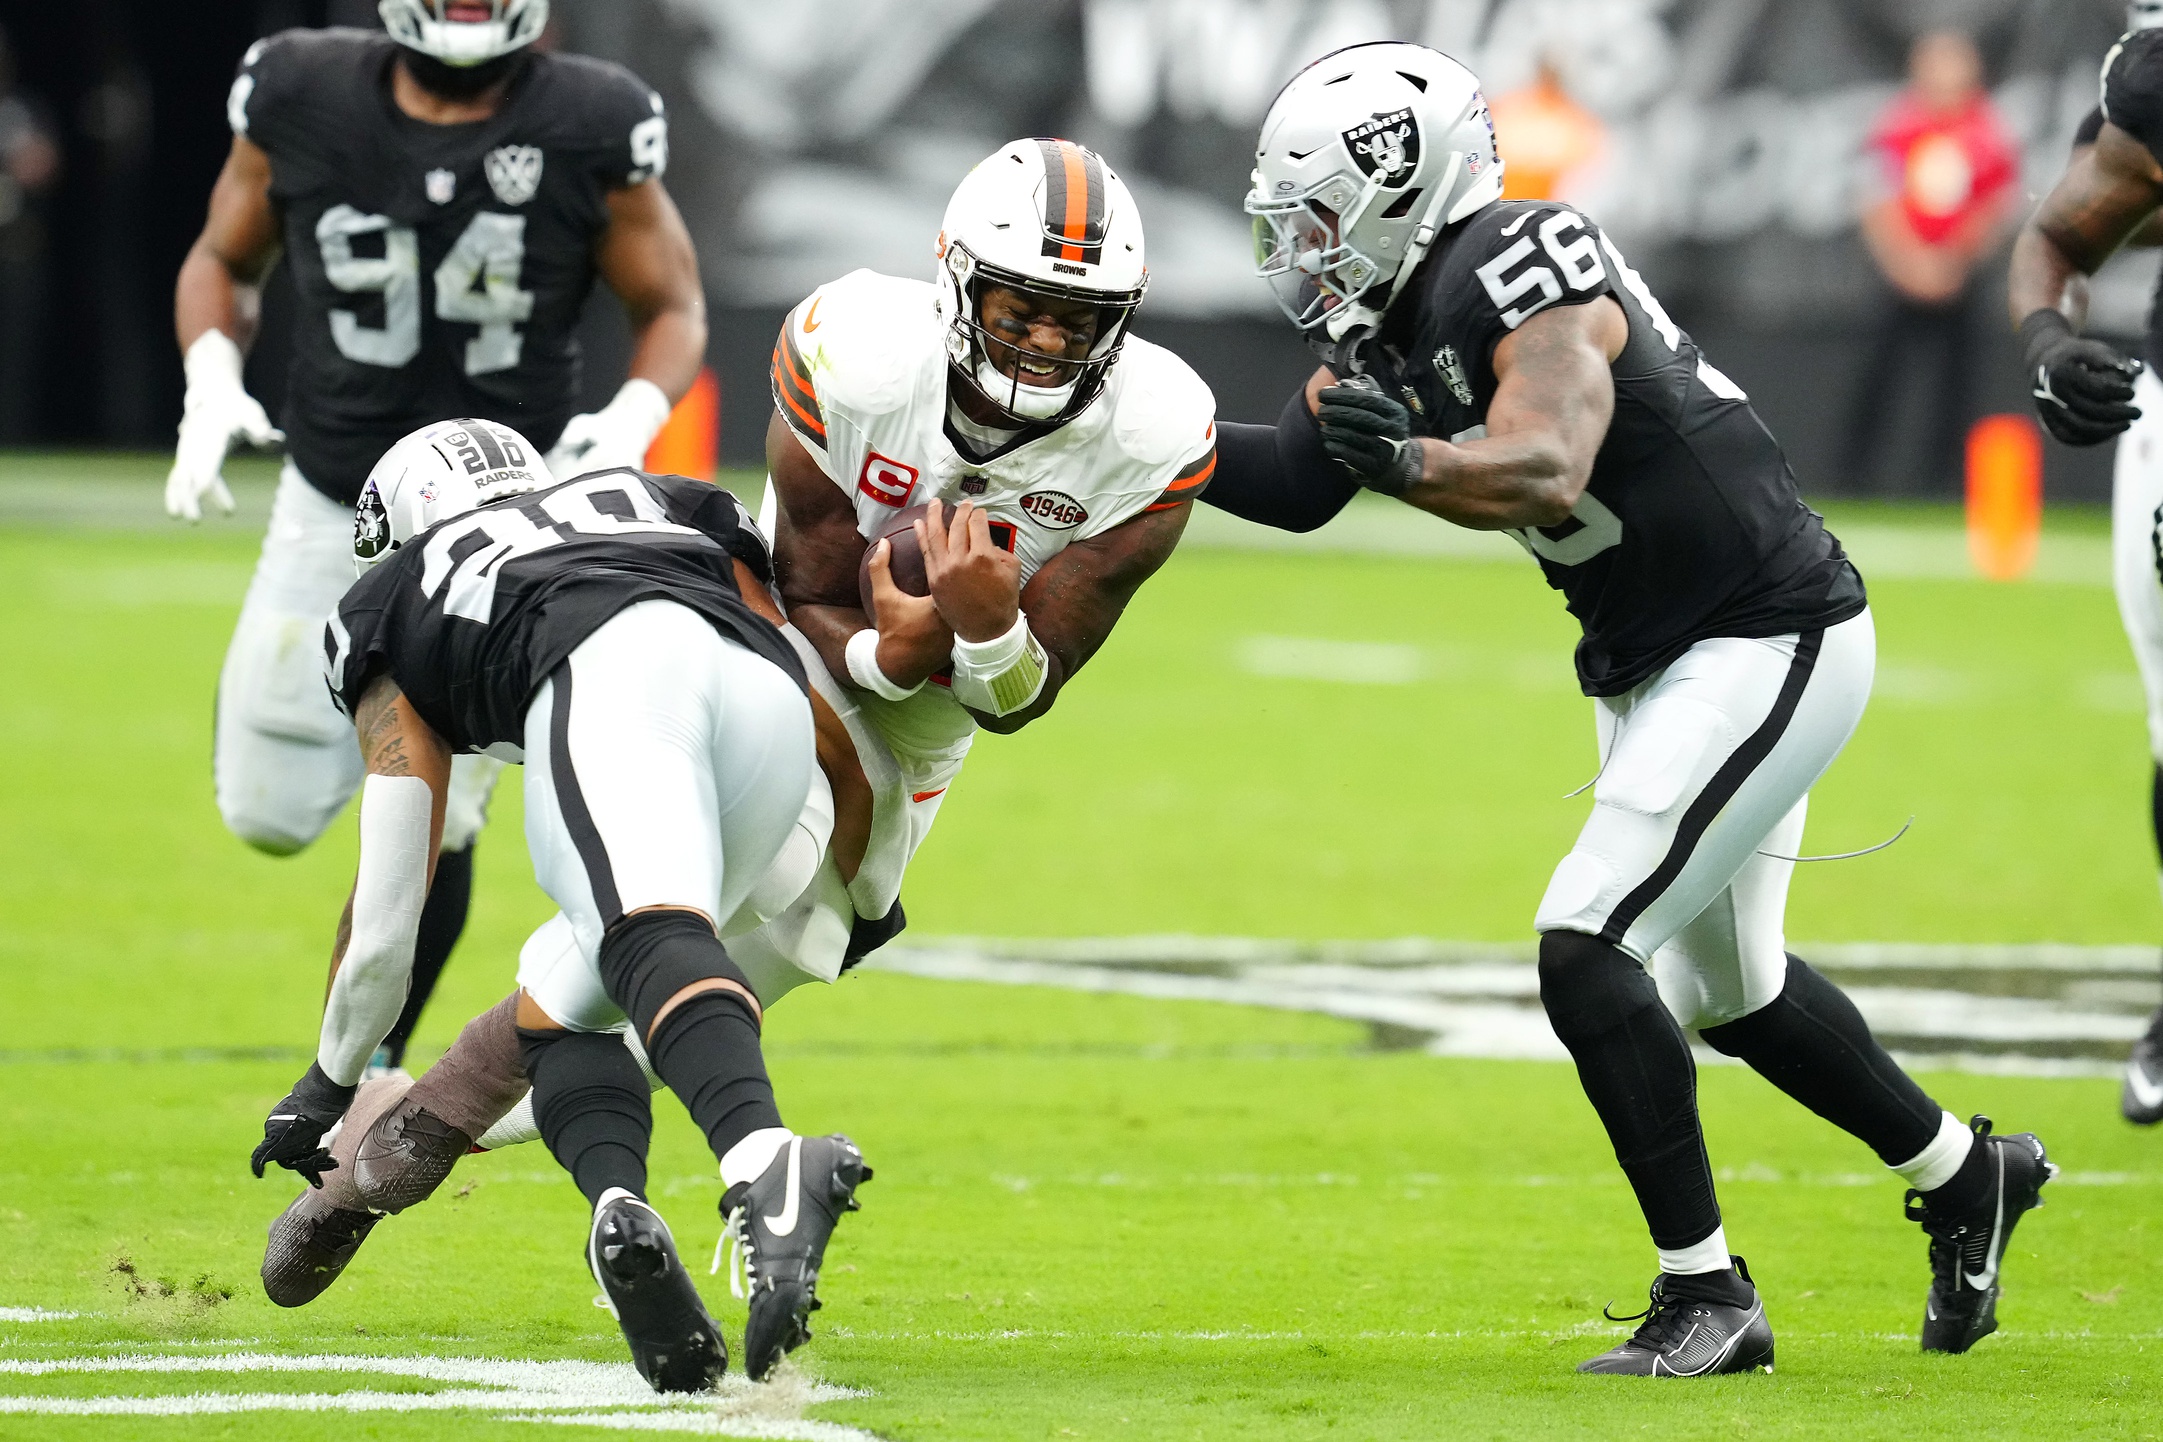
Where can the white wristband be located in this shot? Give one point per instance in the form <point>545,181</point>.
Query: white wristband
<point>213,363</point>
<point>863,658</point>
<point>641,408</point>
<point>1003,675</point>
<point>370,988</point>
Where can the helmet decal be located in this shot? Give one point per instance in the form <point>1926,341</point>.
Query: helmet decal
<point>1386,147</point>
<point>371,524</point>
<point>1073,202</point>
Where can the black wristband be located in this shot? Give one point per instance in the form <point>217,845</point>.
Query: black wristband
<point>316,1091</point>
<point>2039,332</point>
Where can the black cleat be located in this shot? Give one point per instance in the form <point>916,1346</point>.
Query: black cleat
<point>674,1343</point>
<point>310,1244</point>
<point>1697,1326</point>
<point>1966,1248</point>
<point>2142,1099</point>
<point>405,1156</point>
<point>779,1224</point>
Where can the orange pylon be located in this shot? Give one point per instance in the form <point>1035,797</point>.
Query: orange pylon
<point>689,442</point>
<point>2005,495</point>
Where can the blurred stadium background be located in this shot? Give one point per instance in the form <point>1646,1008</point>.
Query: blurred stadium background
<point>1724,144</point>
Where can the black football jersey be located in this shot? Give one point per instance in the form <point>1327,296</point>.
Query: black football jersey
<point>1691,526</point>
<point>440,269</point>
<point>471,615</point>
<point>2132,100</point>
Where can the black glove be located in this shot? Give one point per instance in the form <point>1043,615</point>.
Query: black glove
<point>2083,388</point>
<point>293,1132</point>
<point>1370,435</point>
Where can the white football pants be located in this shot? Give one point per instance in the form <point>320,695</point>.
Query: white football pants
<point>2136,517</point>
<point>284,760</point>
<point>1704,769</point>
<point>665,766</point>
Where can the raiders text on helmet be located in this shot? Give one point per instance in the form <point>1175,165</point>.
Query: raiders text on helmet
<point>1364,156</point>
<point>1050,218</point>
<point>440,29</point>
<point>438,472</point>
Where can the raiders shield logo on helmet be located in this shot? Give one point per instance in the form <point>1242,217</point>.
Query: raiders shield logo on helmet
<point>371,525</point>
<point>514,172</point>
<point>1386,147</point>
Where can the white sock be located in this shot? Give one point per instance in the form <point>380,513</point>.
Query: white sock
<point>1934,1165</point>
<point>611,1194</point>
<point>1709,1255</point>
<point>751,1156</point>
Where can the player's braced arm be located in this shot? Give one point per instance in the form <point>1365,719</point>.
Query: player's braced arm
<point>1072,604</point>
<point>216,288</point>
<point>401,826</point>
<point>2109,191</point>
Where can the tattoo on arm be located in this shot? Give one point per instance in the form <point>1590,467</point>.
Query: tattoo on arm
<point>382,731</point>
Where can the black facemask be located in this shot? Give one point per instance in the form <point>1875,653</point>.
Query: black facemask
<point>460,82</point>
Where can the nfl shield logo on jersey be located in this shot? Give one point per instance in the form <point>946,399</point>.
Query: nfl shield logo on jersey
<point>514,172</point>
<point>441,185</point>
<point>1386,146</point>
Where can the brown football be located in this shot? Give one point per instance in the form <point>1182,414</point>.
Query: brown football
<point>906,560</point>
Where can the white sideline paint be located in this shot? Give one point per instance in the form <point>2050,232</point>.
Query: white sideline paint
<point>607,1394</point>
<point>34,1314</point>
<point>1482,1000</point>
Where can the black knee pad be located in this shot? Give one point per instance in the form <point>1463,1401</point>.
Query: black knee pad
<point>649,957</point>
<point>1588,986</point>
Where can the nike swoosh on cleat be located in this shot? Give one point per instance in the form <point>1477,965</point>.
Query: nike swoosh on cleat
<point>1997,1235</point>
<point>784,1224</point>
<point>2148,1094</point>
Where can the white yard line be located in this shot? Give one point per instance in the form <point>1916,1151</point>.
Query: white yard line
<point>34,1314</point>
<point>1475,999</point>
<point>527,1391</point>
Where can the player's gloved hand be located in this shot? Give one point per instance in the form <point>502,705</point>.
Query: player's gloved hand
<point>293,1132</point>
<point>615,435</point>
<point>2083,388</point>
<point>217,412</point>
<point>1370,435</point>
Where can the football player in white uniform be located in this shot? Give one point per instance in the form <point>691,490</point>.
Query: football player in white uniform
<point>1071,454</point>
<point>443,199</point>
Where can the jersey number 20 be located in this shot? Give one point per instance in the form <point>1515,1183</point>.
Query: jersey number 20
<point>477,284</point>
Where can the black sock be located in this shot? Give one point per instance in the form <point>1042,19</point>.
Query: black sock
<point>707,1047</point>
<point>1813,1044</point>
<point>1727,1287</point>
<point>707,1050</point>
<point>1968,1188</point>
<point>1636,1067</point>
<point>592,1105</point>
<point>443,919</point>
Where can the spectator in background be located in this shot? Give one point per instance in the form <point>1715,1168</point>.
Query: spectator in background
<point>1545,138</point>
<point>1948,168</point>
<point>29,167</point>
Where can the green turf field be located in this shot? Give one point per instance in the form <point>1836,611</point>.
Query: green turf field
<point>1094,1216</point>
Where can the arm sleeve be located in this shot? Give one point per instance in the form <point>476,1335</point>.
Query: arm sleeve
<point>370,988</point>
<point>1278,475</point>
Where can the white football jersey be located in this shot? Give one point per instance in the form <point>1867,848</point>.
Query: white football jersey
<point>860,374</point>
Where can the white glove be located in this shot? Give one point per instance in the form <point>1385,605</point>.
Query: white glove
<point>218,410</point>
<point>615,435</point>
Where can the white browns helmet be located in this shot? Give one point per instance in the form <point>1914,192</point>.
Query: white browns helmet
<point>438,472</point>
<point>1364,157</point>
<point>1051,218</point>
<point>428,26</point>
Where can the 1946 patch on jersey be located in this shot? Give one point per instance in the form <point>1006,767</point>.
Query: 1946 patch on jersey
<point>1054,510</point>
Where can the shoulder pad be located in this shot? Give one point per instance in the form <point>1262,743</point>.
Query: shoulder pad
<point>2132,89</point>
<point>1162,411</point>
<point>281,69</point>
<point>1515,259</point>
<point>864,339</point>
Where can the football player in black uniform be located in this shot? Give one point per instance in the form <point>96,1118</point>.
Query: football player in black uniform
<point>1502,367</point>
<point>443,199</point>
<point>2086,393</point>
<point>617,634</point>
